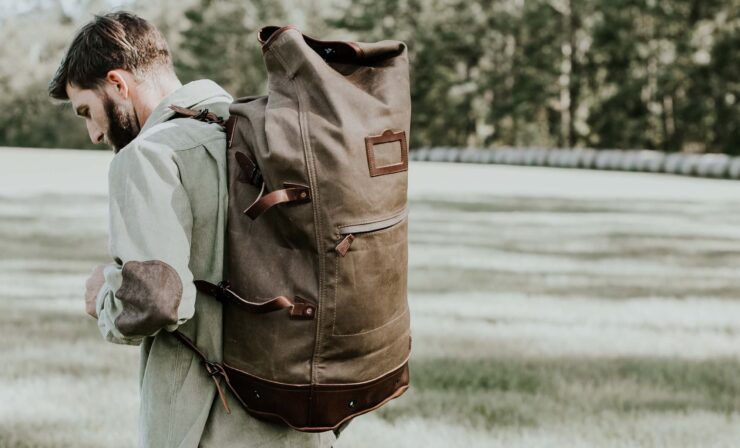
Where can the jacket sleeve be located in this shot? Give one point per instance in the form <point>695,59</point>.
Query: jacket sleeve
<point>149,285</point>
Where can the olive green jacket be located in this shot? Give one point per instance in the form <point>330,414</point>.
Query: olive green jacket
<point>167,219</point>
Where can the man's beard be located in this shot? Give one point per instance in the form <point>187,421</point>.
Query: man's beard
<point>122,125</point>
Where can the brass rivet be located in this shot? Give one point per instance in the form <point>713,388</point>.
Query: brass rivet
<point>309,311</point>
<point>303,195</point>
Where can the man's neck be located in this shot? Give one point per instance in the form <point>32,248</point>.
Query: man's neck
<point>152,92</point>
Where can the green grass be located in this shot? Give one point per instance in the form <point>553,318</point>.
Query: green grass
<point>480,376</point>
<point>491,393</point>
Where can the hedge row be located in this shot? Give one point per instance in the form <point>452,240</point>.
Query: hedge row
<point>702,165</point>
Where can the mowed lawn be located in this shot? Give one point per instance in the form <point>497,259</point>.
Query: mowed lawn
<point>550,308</point>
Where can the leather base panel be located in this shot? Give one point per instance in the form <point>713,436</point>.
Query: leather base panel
<point>314,408</point>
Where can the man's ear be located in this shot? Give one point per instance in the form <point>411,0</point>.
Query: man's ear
<point>118,83</point>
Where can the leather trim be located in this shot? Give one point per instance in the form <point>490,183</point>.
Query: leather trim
<point>250,172</point>
<point>304,407</point>
<point>267,35</point>
<point>150,295</point>
<point>230,127</point>
<point>291,193</point>
<point>387,137</point>
<point>317,407</point>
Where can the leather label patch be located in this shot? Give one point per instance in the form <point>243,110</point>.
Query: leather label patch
<point>387,153</point>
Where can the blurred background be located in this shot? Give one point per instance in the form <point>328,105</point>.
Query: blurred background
<point>644,74</point>
<point>551,307</point>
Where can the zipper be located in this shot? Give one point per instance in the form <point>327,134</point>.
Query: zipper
<point>348,232</point>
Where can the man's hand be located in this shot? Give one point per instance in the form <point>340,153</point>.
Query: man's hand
<point>92,286</point>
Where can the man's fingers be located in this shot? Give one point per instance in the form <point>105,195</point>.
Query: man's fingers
<point>92,286</point>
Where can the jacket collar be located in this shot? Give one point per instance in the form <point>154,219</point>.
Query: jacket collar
<point>192,94</point>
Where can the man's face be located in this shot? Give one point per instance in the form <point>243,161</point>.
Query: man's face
<point>109,119</point>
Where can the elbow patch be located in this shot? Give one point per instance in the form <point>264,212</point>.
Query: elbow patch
<point>150,293</point>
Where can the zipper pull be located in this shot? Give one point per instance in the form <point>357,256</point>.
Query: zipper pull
<point>344,245</point>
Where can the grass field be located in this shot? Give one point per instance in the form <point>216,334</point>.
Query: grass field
<point>550,308</point>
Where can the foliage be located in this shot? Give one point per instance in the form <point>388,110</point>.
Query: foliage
<point>600,73</point>
<point>220,43</point>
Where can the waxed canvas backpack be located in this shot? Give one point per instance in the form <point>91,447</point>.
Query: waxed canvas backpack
<point>315,312</point>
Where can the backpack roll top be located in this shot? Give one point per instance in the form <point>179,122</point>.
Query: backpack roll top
<point>356,116</point>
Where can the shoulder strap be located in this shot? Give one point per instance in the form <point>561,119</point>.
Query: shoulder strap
<point>201,115</point>
<point>206,116</point>
<point>214,370</point>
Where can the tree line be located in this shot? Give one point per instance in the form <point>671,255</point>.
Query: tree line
<point>558,73</point>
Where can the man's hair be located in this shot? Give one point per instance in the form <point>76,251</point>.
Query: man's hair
<point>117,40</point>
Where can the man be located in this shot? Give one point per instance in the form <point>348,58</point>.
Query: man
<point>168,199</point>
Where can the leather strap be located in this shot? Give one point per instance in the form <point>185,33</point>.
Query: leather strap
<point>230,127</point>
<point>214,370</point>
<point>250,173</point>
<point>200,115</point>
<point>299,308</point>
<point>291,193</point>
<point>302,309</point>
